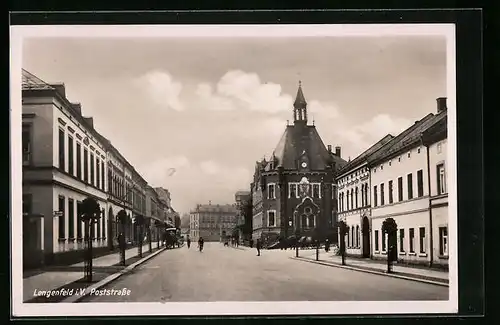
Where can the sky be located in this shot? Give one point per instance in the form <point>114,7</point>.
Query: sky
<point>193,115</point>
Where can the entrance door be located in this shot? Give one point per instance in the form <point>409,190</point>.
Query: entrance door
<point>366,237</point>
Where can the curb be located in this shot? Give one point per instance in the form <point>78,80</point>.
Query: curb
<point>110,278</point>
<point>372,272</point>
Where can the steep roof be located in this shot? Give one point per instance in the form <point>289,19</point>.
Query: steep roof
<point>299,138</point>
<point>366,154</point>
<point>409,137</point>
<point>30,81</point>
<point>300,100</point>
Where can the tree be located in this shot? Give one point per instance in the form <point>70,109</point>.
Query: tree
<point>90,213</point>
<point>177,221</point>
<point>390,227</point>
<point>245,210</point>
<point>343,229</point>
<point>122,219</point>
<point>140,221</point>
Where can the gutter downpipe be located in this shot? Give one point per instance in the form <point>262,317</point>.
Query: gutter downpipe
<point>431,233</point>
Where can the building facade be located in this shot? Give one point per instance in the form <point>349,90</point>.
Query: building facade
<point>294,192</point>
<point>354,200</point>
<point>212,221</point>
<point>407,177</point>
<point>65,160</point>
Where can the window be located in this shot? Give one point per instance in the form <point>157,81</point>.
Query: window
<point>92,170</point>
<point>352,236</point>
<point>376,240</point>
<point>420,183</point>
<point>441,179</point>
<point>362,195</point>
<point>62,230</point>
<point>27,204</point>
<point>422,239</point>
<point>366,194</point>
<point>78,221</point>
<point>271,218</point>
<point>71,218</point>
<point>443,241</point>
<point>412,240</point>
<point>270,191</point>
<point>357,236</point>
<point>400,189</point>
<point>383,241</point>
<point>439,148</point>
<point>391,199</point>
<point>85,165</point>
<point>292,190</point>
<point>316,191</point>
<point>102,175</point>
<point>61,150</point>
<point>98,172</point>
<point>356,198</point>
<point>78,160</point>
<point>347,199</point>
<point>409,154</point>
<point>401,240</point>
<point>26,139</point>
<point>333,191</point>
<point>375,196</point>
<point>71,167</point>
<point>410,186</point>
<point>382,196</point>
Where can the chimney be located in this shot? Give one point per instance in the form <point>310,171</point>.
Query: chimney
<point>209,202</point>
<point>441,104</point>
<point>330,148</point>
<point>337,151</point>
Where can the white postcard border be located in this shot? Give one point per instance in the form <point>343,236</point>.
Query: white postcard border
<point>18,33</point>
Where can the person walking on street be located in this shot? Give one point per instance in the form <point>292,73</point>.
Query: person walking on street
<point>327,245</point>
<point>258,245</point>
<point>200,244</point>
<point>189,242</point>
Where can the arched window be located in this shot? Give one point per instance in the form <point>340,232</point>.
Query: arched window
<point>352,236</point>
<point>356,197</point>
<point>311,221</point>
<point>304,221</point>
<point>357,236</point>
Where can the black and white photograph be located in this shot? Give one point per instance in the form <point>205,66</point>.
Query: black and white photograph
<point>233,169</point>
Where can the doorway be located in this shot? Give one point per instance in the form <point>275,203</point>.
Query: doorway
<point>366,237</point>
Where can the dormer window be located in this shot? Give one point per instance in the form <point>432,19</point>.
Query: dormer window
<point>271,191</point>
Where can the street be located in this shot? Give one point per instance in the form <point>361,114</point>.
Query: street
<point>228,274</point>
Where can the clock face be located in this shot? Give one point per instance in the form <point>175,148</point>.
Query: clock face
<point>304,164</point>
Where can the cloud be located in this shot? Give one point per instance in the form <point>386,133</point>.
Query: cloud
<point>323,110</point>
<point>360,137</point>
<point>158,170</point>
<point>162,89</point>
<point>188,185</point>
<point>209,167</point>
<point>239,89</point>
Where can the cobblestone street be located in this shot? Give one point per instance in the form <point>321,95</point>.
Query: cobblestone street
<point>227,274</point>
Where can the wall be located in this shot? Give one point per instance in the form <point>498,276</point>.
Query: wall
<point>41,128</point>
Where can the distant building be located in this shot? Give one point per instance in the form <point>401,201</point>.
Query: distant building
<point>242,199</point>
<point>294,192</point>
<point>409,184</point>
<point>212,221</point>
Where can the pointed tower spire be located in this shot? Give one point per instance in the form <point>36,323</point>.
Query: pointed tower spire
<point>300,106</point>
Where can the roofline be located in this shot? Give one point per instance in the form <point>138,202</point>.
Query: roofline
<point>396,140</point>
<point>68,105</point>
<point>353,164</point>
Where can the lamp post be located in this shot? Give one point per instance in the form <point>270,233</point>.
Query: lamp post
<point>297,233</point>
<point>149,225</point>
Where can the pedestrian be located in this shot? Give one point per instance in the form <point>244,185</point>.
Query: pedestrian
<point>327,245</point>
<point>189,242</point>
<point>258,246</point>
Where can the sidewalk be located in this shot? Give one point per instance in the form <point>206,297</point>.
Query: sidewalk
<point>375,266</point>
<point>51,278</point>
